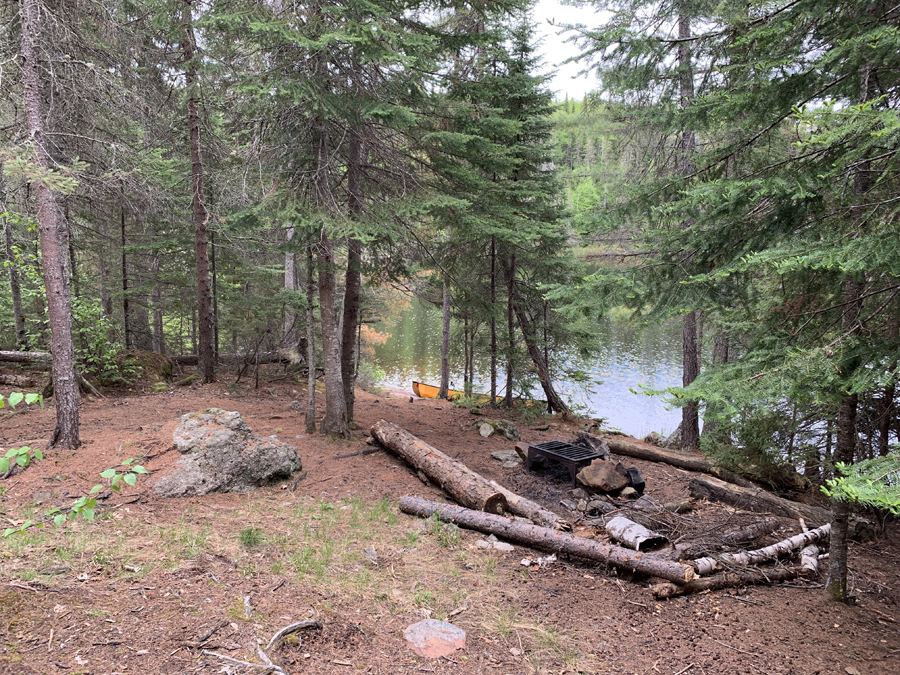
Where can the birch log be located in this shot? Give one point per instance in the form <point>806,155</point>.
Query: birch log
<point>809,561</point>
<point>550,540</point>
<point>726,580</point>
<point>777,550</point>
<point>464,485</point>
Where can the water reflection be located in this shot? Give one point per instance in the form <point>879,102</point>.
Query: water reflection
<point>630,358</point>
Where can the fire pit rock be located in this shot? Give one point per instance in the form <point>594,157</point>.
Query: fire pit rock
<point>602,476</point>
<point>221,454</point>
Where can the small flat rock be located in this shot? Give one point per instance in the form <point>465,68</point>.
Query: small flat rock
<point>507,456</point>
<point>503,546</point>
<point>485,430</point>
<point>432,639</point>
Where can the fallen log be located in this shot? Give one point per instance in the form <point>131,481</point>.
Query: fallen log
<point>37,360</point>
<point>526,508</point>
<point>550,540</point>
<point>267,357</point>
<point>760,501</point>
<point>464,485</point>
<point>17,381</point>
<point>730,579</point>
<point>774,551</point>
<point>682,460</point>
<point>809,561</point>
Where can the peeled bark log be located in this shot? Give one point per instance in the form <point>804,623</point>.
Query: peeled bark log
<point>460,482</point>
<point>550,540</point>
<point>726,580</point>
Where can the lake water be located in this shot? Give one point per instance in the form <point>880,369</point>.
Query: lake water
<point>631,357</point>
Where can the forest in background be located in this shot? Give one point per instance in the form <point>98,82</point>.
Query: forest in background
<point>230,177</point>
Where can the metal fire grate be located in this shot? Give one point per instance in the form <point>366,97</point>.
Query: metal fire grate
<point>573,456</point>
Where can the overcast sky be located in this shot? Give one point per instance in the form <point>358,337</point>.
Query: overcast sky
<point>556,50</point>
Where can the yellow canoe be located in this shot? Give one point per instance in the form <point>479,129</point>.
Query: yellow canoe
<point>430,391</point>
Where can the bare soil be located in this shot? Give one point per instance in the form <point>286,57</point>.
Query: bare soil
<point>153,582</point>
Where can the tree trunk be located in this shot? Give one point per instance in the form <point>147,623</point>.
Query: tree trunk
<point>215,294</point>
<point>554,401</point>
<point>290,285</point>
<point>493,393</point>
<point>159,345</point>
<point>510,330</point>
<point>353,277</point>
<point>335,421</point>
<point>106,299</point>
<point>15,289</point>
<point>205,346</point>
<point>310,344</point>
<point>690,418</point>
<point>49,216</point>
<point>444,388</point>
<point>126,299</point>
<point>550,540</point>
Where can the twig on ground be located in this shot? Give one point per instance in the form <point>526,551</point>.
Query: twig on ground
<point>737,649</point>
<point>278,585</point>
<point>366,451</point>
<point>297,480</point>
<point>32,588</point>
<point>292,628</point>
<point>247,664</point>
<point>208,635</point>
<point>684,670</point>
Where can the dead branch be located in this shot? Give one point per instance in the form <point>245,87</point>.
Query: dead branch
<point>729,579</point>
<point>776,550</point>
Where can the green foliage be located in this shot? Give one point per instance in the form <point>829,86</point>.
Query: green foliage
<point>251,537</point>
<point>96,351</point>
<point>872,482</point>
<point>21,456</point>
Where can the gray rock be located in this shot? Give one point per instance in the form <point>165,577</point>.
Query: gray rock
<point>221,454</point>
<point>508,429</point>
<point>582,505</point>
<point>296,405</point>
<point>601,476</point>
<point>503,546</point>
<point>579,493</point>
<point>485,430</point>
<point>510,458</point>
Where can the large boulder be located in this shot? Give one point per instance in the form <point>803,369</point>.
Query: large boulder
<point>222,454</point>
<point>602,476</point>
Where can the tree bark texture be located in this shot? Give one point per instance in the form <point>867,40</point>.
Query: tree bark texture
<point>205,342</point>
<point>310,344</point>
<point>444,388</point>
<point>493,391</point>
<point>510,331</point>
<point>159,345</point>
<point>353,276</point>
<point>549,540</point>
<point>15,289</point>
<point>731,579</point>
<point>335,421</point>
<point>49,215</point>
<point>690,416</point>
<point>554,400</point>
<point>290,285</point>
<point>126,299</point>
<point>455,478</point>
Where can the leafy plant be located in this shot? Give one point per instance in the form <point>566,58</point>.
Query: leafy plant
<point>21,456</point>
<point>251,537</point>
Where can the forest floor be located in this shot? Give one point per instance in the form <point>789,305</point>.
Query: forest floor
<point>134,591</point>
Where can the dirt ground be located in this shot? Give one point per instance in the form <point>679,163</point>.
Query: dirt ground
<point>152,583</point>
